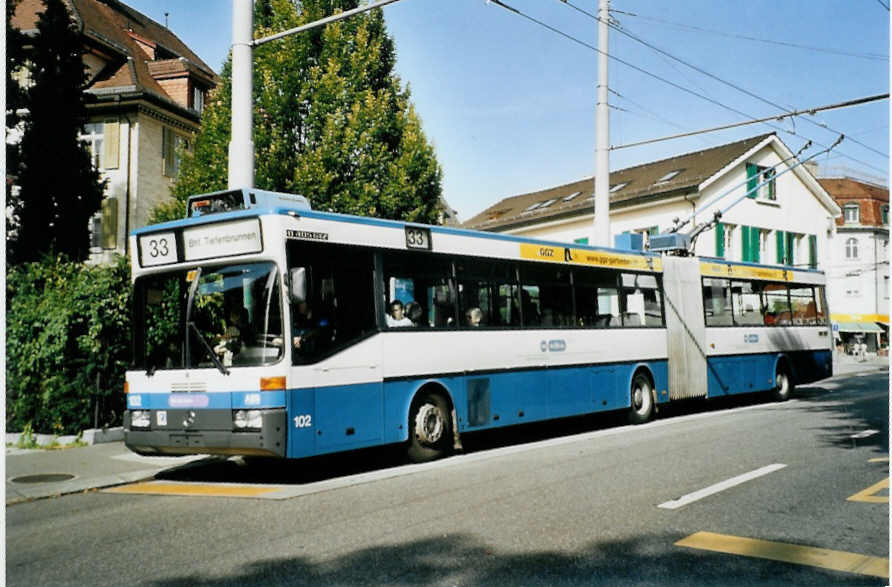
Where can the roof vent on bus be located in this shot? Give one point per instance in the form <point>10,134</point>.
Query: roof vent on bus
<point>243,199</point>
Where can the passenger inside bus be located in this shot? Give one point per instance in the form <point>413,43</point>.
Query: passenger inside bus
<point>473,317</point>
<point>310,331</point>
<point>395,317</point>
<point>415,313</point>
<point>234,336</point>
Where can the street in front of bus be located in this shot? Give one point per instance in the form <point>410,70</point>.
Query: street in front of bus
<point>724,493</point>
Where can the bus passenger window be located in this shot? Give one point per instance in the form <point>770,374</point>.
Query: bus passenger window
<point>597,298</point>
<point>491,286</point>
<point>548,300</point>
<point>642,300</point>
<point>422,283</point>
<point>776,304</point>
<point>717,301</point>
<point>747,303</point>
<point>803,306</point>
<point>820,313</point>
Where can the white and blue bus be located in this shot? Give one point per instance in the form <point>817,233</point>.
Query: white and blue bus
<point>265,328</point>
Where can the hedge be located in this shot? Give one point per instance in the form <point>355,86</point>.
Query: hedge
<point>67,345</point>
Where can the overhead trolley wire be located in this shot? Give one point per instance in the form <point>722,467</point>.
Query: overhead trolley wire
<point>872,56</point>
<point>727,83</point>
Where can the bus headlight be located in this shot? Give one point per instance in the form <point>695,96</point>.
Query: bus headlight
<point>247,419</point>
<point>140,418</point>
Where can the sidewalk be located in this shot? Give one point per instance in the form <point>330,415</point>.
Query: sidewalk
<point>73,470</point>
<point>39,473</point>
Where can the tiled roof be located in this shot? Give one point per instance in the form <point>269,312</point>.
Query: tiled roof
<point>112,28</point>
<point>844,188</point>
<point>633,185</point>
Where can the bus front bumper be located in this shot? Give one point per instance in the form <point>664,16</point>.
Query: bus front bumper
<point>185,432</point>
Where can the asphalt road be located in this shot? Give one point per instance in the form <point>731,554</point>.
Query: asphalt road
<point>587,501</point>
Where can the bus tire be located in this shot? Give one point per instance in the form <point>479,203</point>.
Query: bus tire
<point>641,409</point>
<point>783,383</point>
<point>430,428</point>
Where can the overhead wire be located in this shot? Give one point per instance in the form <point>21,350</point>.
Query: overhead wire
<point>871,56</point>
<point>730,84</point>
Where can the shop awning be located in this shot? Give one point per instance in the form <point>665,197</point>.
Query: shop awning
<point>856,327</point>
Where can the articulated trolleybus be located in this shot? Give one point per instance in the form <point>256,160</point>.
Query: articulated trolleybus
<point>265,328</point>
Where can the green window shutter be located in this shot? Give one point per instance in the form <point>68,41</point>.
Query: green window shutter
<point>581,241</point>
<point>812,251</point>
<point>780,246</point>
<point>752,179</point>
<point>755,233</point>
<point>790,241</point>
<point>653,230</point>
<point>719,240</point>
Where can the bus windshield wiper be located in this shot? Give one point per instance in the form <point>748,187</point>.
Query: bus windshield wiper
<point>208,348</point>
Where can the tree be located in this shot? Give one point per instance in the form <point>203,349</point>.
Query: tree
<point>331,121</point>
<point>59,188</point>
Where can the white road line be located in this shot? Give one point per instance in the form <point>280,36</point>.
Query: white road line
<point>865,434</point>
<point>712,489</point>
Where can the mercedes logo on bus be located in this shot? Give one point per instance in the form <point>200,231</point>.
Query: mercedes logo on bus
<point>190,419</point>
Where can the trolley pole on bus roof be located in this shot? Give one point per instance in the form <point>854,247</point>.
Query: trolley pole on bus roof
<point>601,221</point>
<point>241,142</point>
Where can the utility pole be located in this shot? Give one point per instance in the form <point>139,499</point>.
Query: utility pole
<point>241,142</point>
<point>601,221</point>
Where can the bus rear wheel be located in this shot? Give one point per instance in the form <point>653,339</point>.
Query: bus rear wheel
<point>430,428</point>
<point>642,407</point>
<point>783,384</point>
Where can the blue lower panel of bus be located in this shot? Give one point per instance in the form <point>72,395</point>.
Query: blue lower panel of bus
<point>331,419</point>
<point>749,373</point>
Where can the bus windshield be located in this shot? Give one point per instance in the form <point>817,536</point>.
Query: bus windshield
<point>209,316</point>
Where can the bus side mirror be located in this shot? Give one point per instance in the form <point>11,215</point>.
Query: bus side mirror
<point>298,285</point>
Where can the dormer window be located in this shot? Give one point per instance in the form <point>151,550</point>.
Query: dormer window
<point>547,203</point>
<point>532,207</point>
<point>572,196</point>
<point>197,99</point>
<point>851,213</point>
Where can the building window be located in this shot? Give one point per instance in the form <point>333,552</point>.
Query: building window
<point>756,175</point>
<point>198,99</point>
<point>93,137</point>
<point>884,211</point>
<point>172,146</point>
<point>886,287</point>
<point>851,213</point>
<point>852,248</point>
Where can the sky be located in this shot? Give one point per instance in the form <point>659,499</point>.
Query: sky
<point>509,105</point>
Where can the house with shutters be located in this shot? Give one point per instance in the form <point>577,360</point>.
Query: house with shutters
<point>858,283</point>
<point>787,219</point>
<point>146,91</point>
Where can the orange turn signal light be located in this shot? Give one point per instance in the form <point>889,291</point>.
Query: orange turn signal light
<point>272,383</point>
<point>126,387</point>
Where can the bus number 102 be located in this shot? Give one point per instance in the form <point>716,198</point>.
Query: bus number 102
<point>304,421</point>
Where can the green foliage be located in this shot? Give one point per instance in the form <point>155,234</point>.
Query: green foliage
<point>66,324</point>
<point>59,188</point>
<point>331,121</point>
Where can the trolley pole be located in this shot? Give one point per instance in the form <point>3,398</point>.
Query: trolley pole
<point>601,221</point>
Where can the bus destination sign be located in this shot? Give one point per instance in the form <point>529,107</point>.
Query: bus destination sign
<point>222,240</point>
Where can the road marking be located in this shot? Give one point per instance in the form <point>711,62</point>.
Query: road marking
<point>869,495</point>
<point>712,489</point>
<point>879,460</point>
<point>865,434</point>
<point>835,560</point>
<point>187,489</point>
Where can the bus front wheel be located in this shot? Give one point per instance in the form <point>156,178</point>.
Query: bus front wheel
<point>430,428</point>
<point>642,408</point>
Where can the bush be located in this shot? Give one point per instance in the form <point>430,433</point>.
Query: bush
<point>66,324</point>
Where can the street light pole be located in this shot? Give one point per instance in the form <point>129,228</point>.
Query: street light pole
<point>241,142</point>
<point>601,221</point>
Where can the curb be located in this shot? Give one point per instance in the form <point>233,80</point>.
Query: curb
<point>88,437</point>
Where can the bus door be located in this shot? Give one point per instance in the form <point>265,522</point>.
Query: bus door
<point>336,401</point>
<point>685,328</point>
